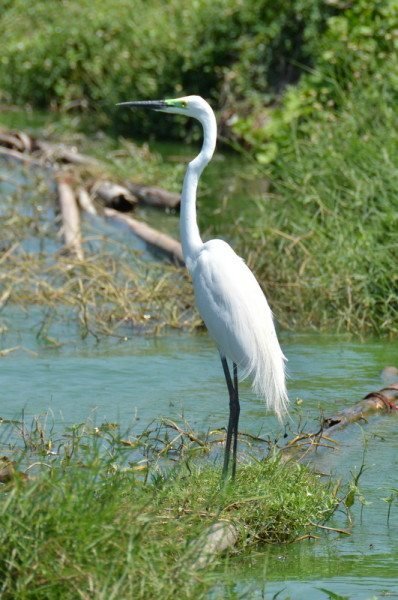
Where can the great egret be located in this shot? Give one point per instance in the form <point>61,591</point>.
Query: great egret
<point>228,297</point>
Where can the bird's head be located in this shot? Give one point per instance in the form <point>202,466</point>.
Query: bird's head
<point>190,106</point>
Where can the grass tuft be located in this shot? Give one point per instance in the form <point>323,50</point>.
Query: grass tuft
<point>88,523</point>
<point>324,245</point>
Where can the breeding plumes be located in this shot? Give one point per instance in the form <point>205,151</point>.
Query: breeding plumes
<point>227,294</point>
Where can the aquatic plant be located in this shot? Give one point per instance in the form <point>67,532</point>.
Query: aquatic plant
<point>103,514</point>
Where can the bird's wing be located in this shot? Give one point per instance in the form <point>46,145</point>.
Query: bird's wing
<point>239,319</point>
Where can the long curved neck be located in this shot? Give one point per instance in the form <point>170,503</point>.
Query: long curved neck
<point>189,232</point>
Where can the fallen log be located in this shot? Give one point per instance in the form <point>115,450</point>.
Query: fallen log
<point>384,400</point>
<point>151,236</point>
<point>70,218</point>
<point>85,202</point>
<point>114,195</point>
<point>154,196</point>
<point>17,144</point>
<point>16,140</point>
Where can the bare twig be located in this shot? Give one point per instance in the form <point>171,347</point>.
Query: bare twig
<point>335,529</point>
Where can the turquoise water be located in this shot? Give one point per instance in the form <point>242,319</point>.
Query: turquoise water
<point>142,378</point>
<point>138,379</point>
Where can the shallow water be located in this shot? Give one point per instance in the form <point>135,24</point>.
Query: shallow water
<point>142,378</point>
<point>138,379</point>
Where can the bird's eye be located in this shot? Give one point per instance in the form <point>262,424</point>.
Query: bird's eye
<point>183,103</point>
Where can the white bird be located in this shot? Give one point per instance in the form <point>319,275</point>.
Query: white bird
<point>227,294</point>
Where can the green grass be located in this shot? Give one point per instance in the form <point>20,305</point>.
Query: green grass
<point>325,244</point>
<point>90,523</point>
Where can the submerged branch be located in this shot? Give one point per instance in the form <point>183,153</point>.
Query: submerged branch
<point>384,400</point>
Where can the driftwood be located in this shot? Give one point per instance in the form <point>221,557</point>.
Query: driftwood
<point>151,236</point>
<point>114,195</point>
<point>223,534</point>
<point>85,201</point>
<point>70,218</point>
<point>16,140</point>
<point>154,196</point>
<point>19,145</point>
<point>384,400</point>
<point>22,142</point>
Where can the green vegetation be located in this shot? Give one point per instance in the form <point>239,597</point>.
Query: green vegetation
<point>308,88</point>
<point>96,519</point>
<point>94,53</point>
<point>329,227</point>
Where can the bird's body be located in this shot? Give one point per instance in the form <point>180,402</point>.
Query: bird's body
<point>239,320</point>
<point>227,294</point>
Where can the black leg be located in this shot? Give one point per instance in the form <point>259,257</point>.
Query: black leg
<point>234,410</point>
<point>236,420</point>
<point>230,386</point>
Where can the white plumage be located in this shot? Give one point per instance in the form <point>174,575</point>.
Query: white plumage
<point>239,320</point>
<point>227,294</point>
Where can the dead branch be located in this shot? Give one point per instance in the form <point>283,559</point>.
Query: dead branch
<point>151,236</point>
<point>85,201</point>
<point>114,195</point>
<point>188,434</point>
<point>70,218</point>
<point>21,157</point>
<point>335,529</point>
<point>154,196</point>
<point>381,401</point>
<point>384,400</point>
<point>16,141</point>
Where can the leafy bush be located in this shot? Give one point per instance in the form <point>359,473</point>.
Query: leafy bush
<point>95,53</point>
<point>357,49</point>
<point>326,238</point>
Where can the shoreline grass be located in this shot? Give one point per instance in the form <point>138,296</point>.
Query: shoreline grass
<point>90,523</point>
<point>325,244</point>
